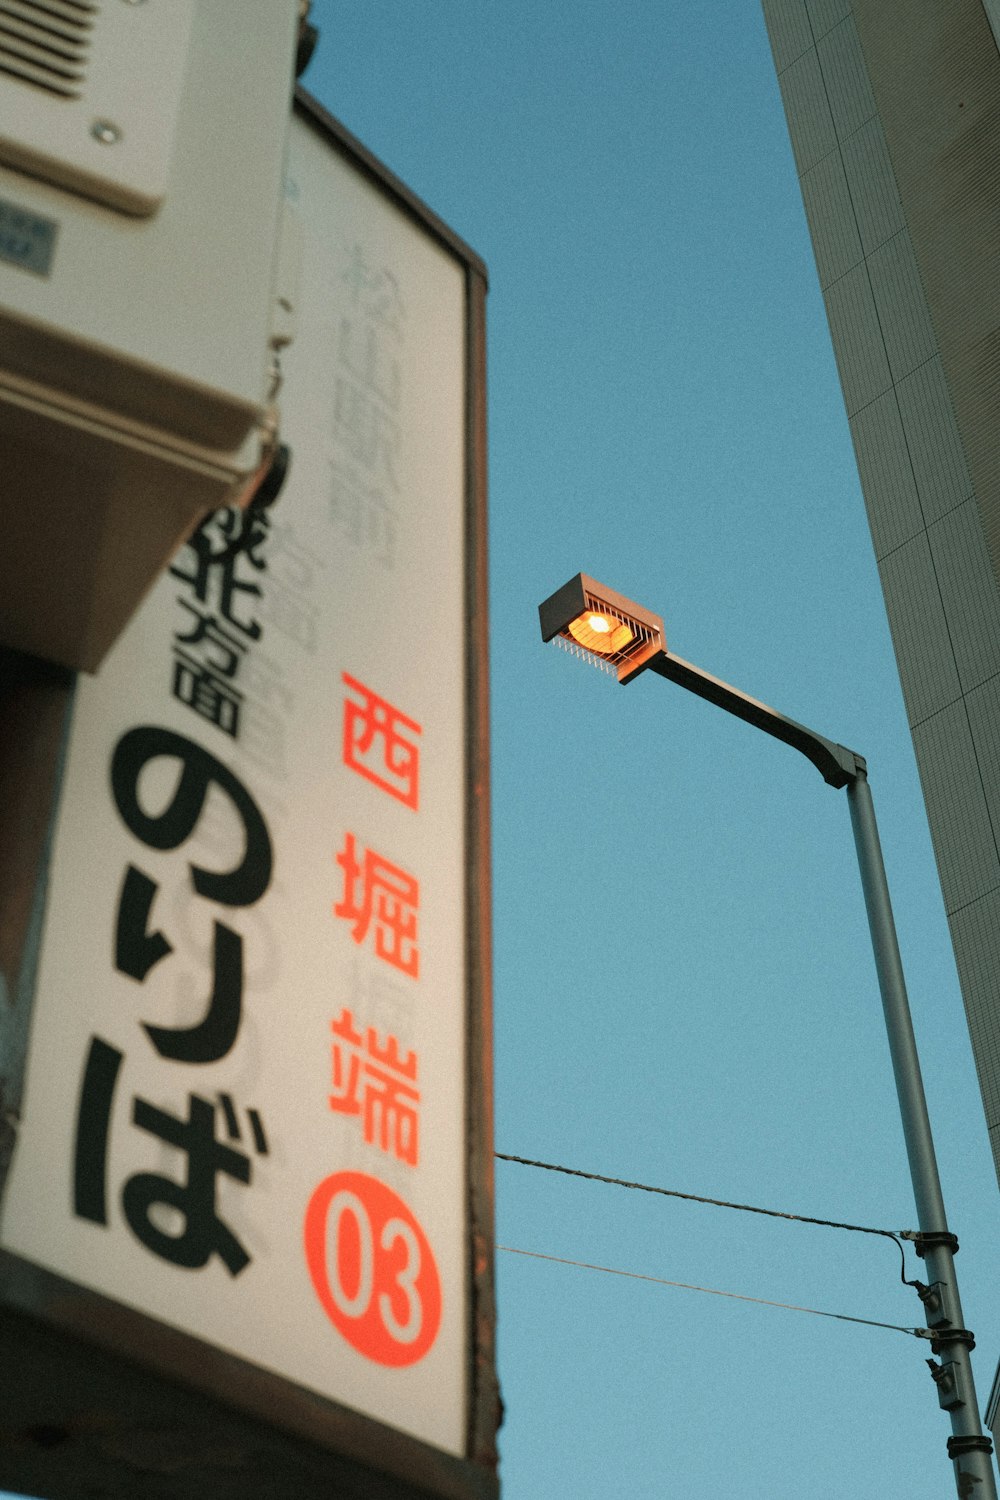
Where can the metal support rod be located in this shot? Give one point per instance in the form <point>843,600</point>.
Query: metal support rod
<point>969,1448</point>
<point>835,763</point>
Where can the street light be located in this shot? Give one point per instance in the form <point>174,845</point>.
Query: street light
<point>622,637</point>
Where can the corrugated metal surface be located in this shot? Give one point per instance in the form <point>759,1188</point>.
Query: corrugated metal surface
<point>968,594</point>
<point>874,194</point>
<point>932,439</point>
<point>810,123</point>
<point>901,306</point>
<point>830,213</point>
<point>976,392</point>
<point>919,629</point>
<point>935,70</point>
<point>983,707</point>
<point>825,14</point>
<point>956,807</point>
<point>857,339</point>
<point>851,99</point>
<point>975,932</point>
<point>887,481</point>
<point>789,30</point>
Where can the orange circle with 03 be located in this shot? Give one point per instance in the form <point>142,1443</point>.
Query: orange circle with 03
<point>372,1268</point>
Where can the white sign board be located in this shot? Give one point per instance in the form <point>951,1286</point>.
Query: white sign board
<point>246,1093</point>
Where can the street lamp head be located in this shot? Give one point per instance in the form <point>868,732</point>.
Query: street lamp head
<point>602,627</point>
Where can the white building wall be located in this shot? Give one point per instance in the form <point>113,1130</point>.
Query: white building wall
<point>905,408</point>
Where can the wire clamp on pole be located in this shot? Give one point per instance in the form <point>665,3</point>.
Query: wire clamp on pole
<point>930,1239</point>
<point>944,1337</point>
<point>968,1442</point>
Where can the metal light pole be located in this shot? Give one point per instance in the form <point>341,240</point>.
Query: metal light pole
<point>613,631</point>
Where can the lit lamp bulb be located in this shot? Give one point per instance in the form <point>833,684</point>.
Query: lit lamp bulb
<point>600,633</point>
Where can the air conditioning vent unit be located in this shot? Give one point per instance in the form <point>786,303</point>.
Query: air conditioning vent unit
<point>46,45</point>
<point>143,293</point>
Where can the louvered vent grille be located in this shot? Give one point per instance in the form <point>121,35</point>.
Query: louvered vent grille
<point>46,43</point>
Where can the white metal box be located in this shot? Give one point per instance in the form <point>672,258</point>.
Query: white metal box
<point>142,147</point>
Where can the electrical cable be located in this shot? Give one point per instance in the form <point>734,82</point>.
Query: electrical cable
<point>586,1265</point>
<point>748,1208</point>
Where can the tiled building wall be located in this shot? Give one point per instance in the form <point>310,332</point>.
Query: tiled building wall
<point>940,589</point>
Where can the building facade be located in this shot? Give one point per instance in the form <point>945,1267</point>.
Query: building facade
<point>893,110</point>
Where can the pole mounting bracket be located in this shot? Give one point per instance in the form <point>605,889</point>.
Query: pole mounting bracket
<point>930,1239</point>
<point>968,1442</point>
<point>943,1337</point>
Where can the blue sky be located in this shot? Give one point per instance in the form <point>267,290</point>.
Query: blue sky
<point>684,987</point>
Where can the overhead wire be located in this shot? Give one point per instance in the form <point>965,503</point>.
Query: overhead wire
<point>749,1208</point>
<point>920,1333</point>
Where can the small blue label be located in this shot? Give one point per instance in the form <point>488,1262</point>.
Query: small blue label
<point>26,239</point>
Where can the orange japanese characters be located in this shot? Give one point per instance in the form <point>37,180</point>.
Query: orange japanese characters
<point>378,1085</point>
<point>381,898</point>
<point>369,1259</point>
<point>380,743</point>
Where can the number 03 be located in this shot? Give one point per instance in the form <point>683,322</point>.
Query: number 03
<point>372,1268</point>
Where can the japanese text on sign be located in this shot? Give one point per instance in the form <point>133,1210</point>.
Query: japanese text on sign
<point>372,1268</point>
<point>139,948</point>
<point>374,722</point>
<point>375,1083</point>
<point>209,652</point>
<point>366,427</point>
<point>246,1117</point>
<point>356,1228</point>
